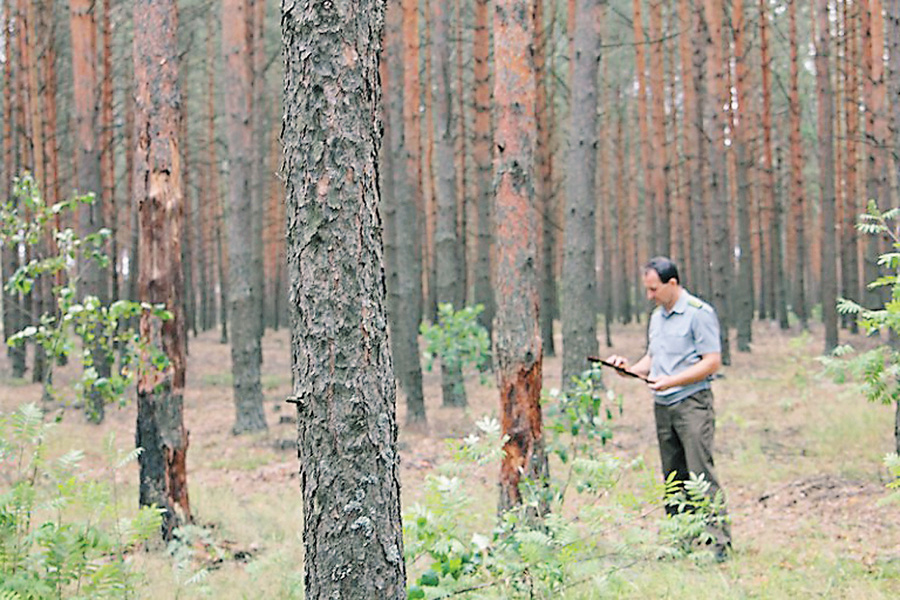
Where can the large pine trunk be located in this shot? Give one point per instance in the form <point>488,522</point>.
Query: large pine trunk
<point>579,293</point>
<point>158,195</point>
<point>343,379</point>
<point>246,351</point>
<point>517,339</point>
<point>850,280</point>
<point>826,172</point>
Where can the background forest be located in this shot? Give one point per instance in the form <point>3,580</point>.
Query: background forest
<point>742,138</point>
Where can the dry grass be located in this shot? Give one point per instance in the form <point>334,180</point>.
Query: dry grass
<point>800,459</point>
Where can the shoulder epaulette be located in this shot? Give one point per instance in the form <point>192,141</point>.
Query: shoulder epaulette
<point>695,303</point>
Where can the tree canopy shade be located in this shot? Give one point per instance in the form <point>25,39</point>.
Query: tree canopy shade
<point>343,377</point>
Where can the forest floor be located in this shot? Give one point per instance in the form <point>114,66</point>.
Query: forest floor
<point>800,459</point>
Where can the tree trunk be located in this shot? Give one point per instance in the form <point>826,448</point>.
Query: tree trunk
<point>246,352</point>
<point>258,146</point>
<point>648,224</point>
<point>107,162</point>
<point>398,199</point>
<point>743,313</point>
<point>428,183</point>
<point>544,191</point>
<point>624,217</point>
<point>517,339</point>
<point>659,145</point>
<point>87,158</point>
<point>579,297</point>
<point>796,232</point>
<point>157,192</point>
<point>444,170</point>
<point>481,156</point>
<point>826,166</point>
<point>10,259</point>
<point>696,132</point>
<point>718,221</point>
<point>343,379</point>
<point>767,166</point>
<point>850,242</point>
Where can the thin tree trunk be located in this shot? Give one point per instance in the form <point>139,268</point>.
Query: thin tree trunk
<point>797,193</point>
<point>11,300</point>
<point>579,294</point>
<point>544,166</point>
<point>410,219</point>
<point>481,156</point>
<point>428,183</point>
<point>517,339</point>
<point>257,16</point>
<point>107,163</point>
<point>852,208</point>
<point>343,377</point>
<point>94,279</point>
<point>659,145</point>
<point>446,244</point>
<point>695,132</point>
<point>160,422</point>
<point>624,217</point>
<point>246,352</point>
<point>718,222</point>
<point>743,313</point>
<point>768,167</point>
<point>397,199</point>
<point>826,166</point>
<point>648,224</point>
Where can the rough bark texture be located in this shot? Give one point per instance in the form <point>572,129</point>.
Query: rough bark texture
<point>446,244</point>
<point>481,156</point>
<point>158,195</point>
<point>246,351</point>
<point>579,281</point>
<point>797,230</point>
<point>342,373</point>
<point>700,247</point>
<point>517,337</point>
<point>826,166</point>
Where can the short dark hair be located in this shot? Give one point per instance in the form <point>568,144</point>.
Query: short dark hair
<point>664,267</point>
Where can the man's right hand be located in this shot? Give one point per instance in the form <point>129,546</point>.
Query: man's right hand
<point>619,361</point>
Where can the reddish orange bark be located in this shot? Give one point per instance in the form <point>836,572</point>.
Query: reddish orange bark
<point>517,338</point>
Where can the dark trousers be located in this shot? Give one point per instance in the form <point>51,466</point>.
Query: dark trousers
<point>686,432</point>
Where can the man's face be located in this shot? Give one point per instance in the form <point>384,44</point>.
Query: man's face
<point>663,294</point>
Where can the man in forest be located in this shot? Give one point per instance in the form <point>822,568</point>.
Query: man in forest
<point>683,353</point>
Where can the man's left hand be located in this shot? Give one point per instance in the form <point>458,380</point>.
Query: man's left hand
<point>662,383</point>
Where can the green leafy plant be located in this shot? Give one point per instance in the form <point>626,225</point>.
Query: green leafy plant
<point>877,370</point>
<point>25,221</point>
<point>590,533</point>
<point>61,535</point>
<point>457,338</point>
<point>695,512</point>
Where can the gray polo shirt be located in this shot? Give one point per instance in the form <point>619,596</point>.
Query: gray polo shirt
<point>678,339</point>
